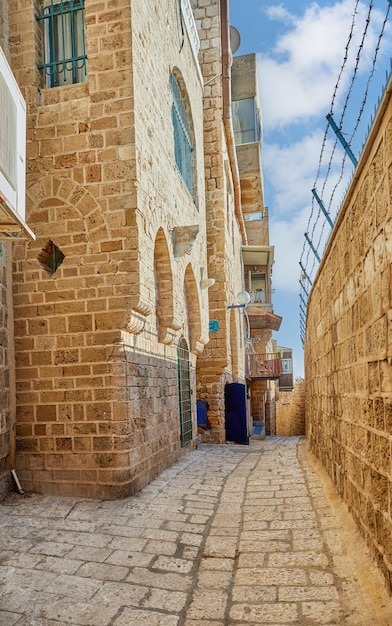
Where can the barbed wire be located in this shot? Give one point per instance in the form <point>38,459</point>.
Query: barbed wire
<point>336,164</point>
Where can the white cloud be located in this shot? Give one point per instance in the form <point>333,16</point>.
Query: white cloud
<point>280,13</point>
<point>291,174</point>
<point>288,238</point>
<point>291,171</point>
<point>298,76</point>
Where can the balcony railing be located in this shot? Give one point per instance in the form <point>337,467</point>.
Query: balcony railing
<point>267,366</point>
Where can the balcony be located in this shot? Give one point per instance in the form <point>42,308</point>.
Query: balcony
<point>263,366</point>
<point>262,317</point>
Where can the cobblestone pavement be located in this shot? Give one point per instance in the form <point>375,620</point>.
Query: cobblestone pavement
<point>230,535</point>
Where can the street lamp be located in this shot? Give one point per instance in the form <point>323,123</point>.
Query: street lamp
<point>242,300</point>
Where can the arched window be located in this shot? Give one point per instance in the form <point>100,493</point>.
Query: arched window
<point>183,139</point>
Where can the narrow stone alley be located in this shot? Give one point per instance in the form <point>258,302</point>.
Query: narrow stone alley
<point>230,535</point>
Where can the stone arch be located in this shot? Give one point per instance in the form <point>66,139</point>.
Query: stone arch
<point>69,192</point>
<point>167,325</point>
<point>192,302</point>
<point>61,209</point>
<point>65,208</point>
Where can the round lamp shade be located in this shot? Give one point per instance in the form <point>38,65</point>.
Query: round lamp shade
<point>243,297</point>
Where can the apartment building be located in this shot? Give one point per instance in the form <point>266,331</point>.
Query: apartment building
<point>122,303</point>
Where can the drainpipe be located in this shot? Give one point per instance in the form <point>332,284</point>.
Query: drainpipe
<point>227,118</point>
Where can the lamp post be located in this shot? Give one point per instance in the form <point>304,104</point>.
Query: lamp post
<point>242,299</point>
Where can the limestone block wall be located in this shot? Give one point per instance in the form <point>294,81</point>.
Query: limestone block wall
<point>290,411</point>
<point>348,349</point>
<point>7,390</point>
<point>4,27</point>
<point>96,340</point>
<point>223,358</point>
<point>7,411</point>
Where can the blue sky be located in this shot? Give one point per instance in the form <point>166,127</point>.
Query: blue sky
<point>300,48</point>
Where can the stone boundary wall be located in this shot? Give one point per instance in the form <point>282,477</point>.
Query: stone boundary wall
<point>290,411</point>
<point>348,348</point>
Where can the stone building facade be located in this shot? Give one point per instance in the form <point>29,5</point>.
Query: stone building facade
<point>134,195</point>
<point>290,411</point>
<point>263,364</point>
<point>348,347</point>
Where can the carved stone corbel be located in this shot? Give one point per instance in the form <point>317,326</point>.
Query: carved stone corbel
<point>184,238</point>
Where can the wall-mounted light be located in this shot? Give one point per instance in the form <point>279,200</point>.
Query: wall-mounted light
<point>206,283</point>
<point>242,300</point>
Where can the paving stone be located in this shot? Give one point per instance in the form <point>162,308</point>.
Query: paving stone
<point>320,578</point>
<point>160,534</point>
<point>191,539</point>
<point>130,559</point>
<point>210,579</point>
<point>144,618</point>
<point>9,619</point>
<point>216,564</point>
<point>130,544</point>
<point>299,594</point>
<point>160,547</point>
<point>87,553</point>
<point>103,571</point>
<point>57,565</point>
<point>305,559</point>
<point>73,587</point>
<point>121,594</point>
<point>52,548</point>
<point>188,552</point>
<point>254,594</point>
<point>251,560</point>
<point>202,622</point>
<point>177,582</point>
<point>227,531</point>
<point>265,613</point>
<point>173,601</point>
<point>207,605</point>
<point>173,565</point>
<point>72,611</point>
<point>322,612</point>
<point>264,546</point>
<point>270,576</point>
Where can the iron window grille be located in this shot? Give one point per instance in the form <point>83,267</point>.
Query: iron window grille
<point>63,42</point>
<point>185,392</point>
<point>183,148</point>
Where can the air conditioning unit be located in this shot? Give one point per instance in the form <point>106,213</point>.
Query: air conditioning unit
<point>12,156</point>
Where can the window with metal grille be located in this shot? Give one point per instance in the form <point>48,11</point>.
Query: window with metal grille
<point>184,391</point>
<point>183,148</point>
<point>63,42</point>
